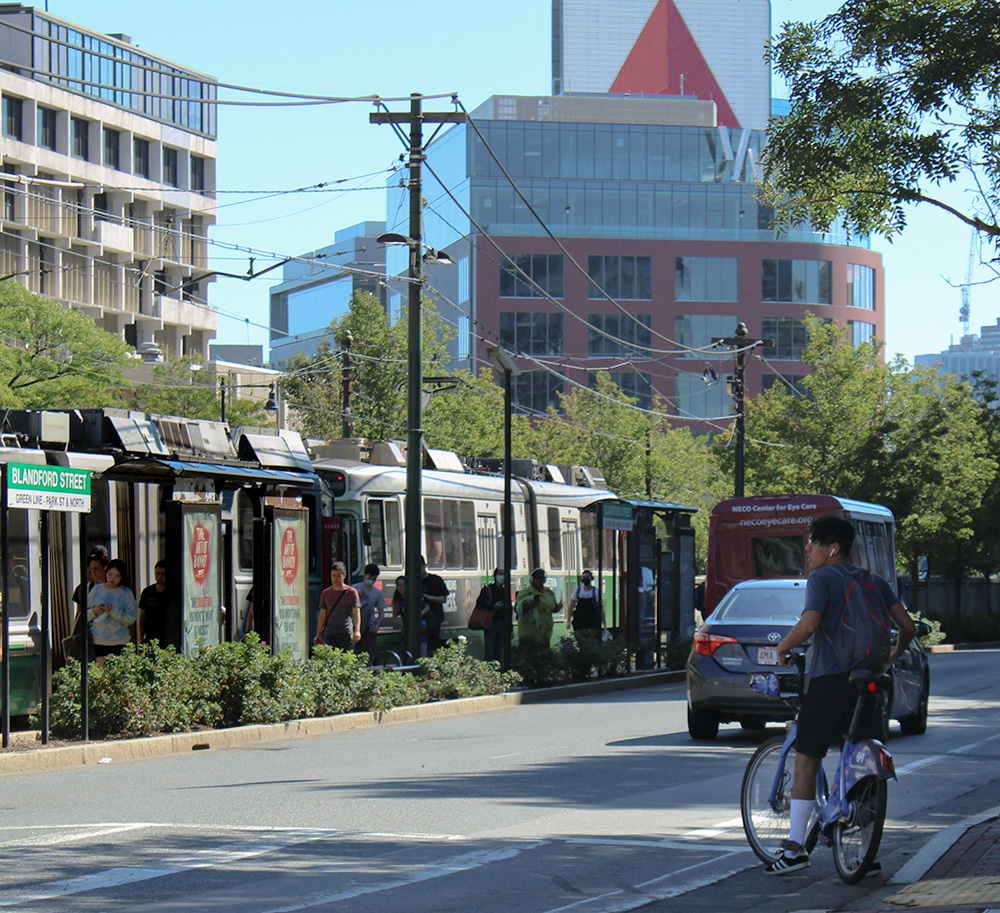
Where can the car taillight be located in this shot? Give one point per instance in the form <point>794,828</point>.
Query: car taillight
<point>706,644</point>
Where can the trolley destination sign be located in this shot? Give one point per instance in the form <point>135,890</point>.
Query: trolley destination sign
<point>31,487</point>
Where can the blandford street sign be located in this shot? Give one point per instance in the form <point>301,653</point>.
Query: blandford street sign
<point>32,487</point>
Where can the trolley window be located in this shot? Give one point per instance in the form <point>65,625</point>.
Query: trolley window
<point>20,565</point>
<point>467,518</point>
<point>386,534</point>
<point>434,533</point>
<point>555,538</point>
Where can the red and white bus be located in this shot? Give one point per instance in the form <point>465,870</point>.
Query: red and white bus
<point>765,536</point>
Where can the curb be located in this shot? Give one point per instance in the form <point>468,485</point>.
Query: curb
<point>937,846</point>
<point>951,648</point>
<point>44,758</point>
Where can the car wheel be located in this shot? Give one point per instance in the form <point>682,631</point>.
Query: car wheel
<point>917,724</point>
<point>703,726</point>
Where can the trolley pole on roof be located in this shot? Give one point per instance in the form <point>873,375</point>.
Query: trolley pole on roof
<point>744,345</point>
<point>413,571</point>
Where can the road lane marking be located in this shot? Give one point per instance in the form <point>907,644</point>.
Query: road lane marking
<point>111,878</point>
<point>461,863</point>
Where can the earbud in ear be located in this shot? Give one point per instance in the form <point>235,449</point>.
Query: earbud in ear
<point>833,551</point>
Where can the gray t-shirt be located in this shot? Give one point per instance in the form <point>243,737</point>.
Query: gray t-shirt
<point>826,593</point>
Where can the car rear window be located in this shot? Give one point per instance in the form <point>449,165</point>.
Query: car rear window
<point>764,604</point>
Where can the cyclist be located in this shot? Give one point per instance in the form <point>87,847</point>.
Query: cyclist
<point>829,700</point>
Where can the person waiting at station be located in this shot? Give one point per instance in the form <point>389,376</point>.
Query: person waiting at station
<point>372,612</point>
<point>435,593</point>
<point>491,603</point>
<point>153,601</point>
<point>339,622</point>
<point>536,604</point>
<point>586,614</point>
<point>111,612</point>
<point>97,561</point>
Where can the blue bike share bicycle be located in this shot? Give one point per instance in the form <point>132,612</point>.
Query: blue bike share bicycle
<point>850,816</point>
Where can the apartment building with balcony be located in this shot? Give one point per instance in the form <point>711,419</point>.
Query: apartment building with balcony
<point>108,179</point>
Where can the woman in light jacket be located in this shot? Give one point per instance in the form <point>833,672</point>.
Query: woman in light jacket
<point>111,612</point>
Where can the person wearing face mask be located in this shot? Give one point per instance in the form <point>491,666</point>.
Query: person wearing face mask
<point>490,601</point>
<point>585,609</point>
<point>111,612</point>
<point>372,613</point>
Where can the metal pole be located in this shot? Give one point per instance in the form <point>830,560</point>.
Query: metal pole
<point>85,662</point>
<point>508,525</point>
<point>222,390</point>
<point>741,418</point>
<point>43,526</point>
<point>414,391</point>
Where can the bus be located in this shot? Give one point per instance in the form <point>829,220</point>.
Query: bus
<point>765,536</point>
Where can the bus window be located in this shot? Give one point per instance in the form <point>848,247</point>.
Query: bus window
<point>467,517</point>
<point>244,530</point>
<point>555,539</point>
<point>778,556</point>
<point>434,552</point>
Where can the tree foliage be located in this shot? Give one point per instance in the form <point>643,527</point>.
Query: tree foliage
<point>890,101</point>
<point>313,384</point>
<point>53,357</point>
<point>908,438</point>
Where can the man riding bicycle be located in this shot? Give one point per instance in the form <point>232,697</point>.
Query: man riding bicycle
<point>829,700</point>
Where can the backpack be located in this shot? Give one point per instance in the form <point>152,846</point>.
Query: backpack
<point>862,638</point>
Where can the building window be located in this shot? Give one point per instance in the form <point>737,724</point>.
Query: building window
<point>170,166</point>
<point>395,307</point>
<point>638,386</point>
<point>80,138</point>
<point>696,331</point>
<point>797,281</point>
<point>860,286</point>
<point>463,280</point>
<point>544,270</point>
<point>859,332</point>
<point>706,279</point>
<point>536,391</point>
<point>13,109</point>
<point>697,397</point>
<point>620,277</point>
<point>112,147</point>
<point>532,332</point>
<point>462,343</point>
<point>140,157</point>
<point>789,335</point>
<point>619,334</point>
<point>197,172</point>
<point>47,128</point>
<point>791,382</point>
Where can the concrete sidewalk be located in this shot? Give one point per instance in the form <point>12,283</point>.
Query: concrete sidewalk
<point>958,871</point>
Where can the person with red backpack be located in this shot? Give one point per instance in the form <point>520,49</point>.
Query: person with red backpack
<point>850,611</point>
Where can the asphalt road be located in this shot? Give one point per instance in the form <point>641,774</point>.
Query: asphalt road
<point>594,805</point>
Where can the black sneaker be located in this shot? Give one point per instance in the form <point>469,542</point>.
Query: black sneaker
<point>786,864</point>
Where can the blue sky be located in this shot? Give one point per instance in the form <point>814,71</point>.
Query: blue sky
<point>346,48</point>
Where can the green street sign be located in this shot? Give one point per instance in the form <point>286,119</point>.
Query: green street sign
<point>617,516</point>
<point>32,487</point>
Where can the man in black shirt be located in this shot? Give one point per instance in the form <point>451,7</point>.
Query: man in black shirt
<point>435,592</point>
<point>153,607</point>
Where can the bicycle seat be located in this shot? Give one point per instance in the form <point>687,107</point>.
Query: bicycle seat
<point>864,679</point>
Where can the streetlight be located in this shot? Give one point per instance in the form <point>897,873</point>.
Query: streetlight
<point>505,365</point>
<point>270,407</point>
<point>414,432</point>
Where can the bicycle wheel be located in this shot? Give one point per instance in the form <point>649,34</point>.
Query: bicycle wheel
<point>856,838</point>
<point>766,825</point>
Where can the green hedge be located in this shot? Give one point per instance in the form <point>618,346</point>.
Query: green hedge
<point>153,690</point>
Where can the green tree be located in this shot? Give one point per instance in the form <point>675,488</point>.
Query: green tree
<point>891,100</point>
<point>53,357</point>
<point>188,388</point>
<point>905,437</point>
<point>313,384</point>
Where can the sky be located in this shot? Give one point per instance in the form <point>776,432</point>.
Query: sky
<point>393,48</point>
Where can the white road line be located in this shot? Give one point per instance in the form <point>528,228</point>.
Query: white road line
<point>56,839</point>
<point>460,863</point>
<point>111,878</point>
<point>916,765</point>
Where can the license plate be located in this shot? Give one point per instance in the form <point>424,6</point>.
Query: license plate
<point>767,656</point>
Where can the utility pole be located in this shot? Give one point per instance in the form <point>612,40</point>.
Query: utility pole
<point>744,345</point>
<point>416,118</point>
<point>347,430</point>
<point>222,390</point>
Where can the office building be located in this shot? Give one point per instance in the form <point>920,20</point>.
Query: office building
<point>108,176</point>
<point>316,289</point>
<point>974,353</point>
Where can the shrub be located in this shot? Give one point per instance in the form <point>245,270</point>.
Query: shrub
<point>452,673</point>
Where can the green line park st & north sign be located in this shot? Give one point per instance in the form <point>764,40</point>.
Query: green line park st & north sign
<point>31,487</point>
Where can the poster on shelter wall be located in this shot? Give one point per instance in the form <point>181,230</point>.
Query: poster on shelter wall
<point>201,598</point>
<point>290,581</point>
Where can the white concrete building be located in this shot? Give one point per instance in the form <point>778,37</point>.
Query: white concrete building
<point>108,179</point>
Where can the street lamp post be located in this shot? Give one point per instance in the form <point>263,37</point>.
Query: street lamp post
<point>503,363</point>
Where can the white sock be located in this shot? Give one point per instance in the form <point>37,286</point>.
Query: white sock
<point>800,812</point>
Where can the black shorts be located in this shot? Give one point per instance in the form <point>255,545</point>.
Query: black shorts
<point>826,712</point>
<point>108,649</point>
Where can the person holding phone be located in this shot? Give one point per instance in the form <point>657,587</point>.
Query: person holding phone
<point>111,612</point>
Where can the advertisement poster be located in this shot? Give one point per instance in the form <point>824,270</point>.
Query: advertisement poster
<point>290,561</point>
<point>202,567</point>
